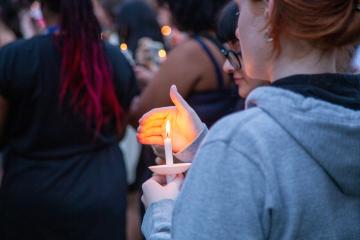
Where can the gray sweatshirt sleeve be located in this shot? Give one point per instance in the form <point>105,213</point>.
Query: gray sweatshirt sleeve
<point>223,197</point>
<point>157,220</point>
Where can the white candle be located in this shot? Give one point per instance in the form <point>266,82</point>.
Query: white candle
<point>168,150</point>
<point>168,146</point>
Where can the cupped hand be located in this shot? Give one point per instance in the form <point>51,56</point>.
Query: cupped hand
<point>185,123</point>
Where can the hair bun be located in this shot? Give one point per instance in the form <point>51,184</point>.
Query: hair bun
<point>325,24</point>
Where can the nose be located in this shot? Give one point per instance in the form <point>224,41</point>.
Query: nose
<point>228,68</point>
<point>237,33</point>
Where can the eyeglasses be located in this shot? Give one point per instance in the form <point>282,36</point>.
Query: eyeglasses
<point>233,57</point>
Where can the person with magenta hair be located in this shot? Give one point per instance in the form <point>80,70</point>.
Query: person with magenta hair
<point>288,166</point>
<point>64,98</point>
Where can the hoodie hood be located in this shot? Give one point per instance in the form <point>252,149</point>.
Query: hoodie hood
<point>329,133</point>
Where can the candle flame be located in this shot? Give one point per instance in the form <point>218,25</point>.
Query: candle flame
<point>167,129</point>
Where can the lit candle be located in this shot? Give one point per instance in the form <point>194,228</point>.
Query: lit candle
<point>168,146</point>
<point>168,150</point>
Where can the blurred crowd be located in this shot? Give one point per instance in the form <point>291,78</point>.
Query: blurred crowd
<point>143,24</point>
<point>164,43</point>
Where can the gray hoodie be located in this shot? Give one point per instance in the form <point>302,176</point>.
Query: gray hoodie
<point>286,168</point>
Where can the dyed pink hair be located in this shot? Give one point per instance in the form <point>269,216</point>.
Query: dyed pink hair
<point>86,76</point>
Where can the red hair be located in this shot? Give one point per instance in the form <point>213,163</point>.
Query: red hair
<point>325,24</point>
<point>86,76</point>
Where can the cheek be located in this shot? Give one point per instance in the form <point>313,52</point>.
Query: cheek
<point>238,74</point>
<point>243,33</point>
<point>253,44</point>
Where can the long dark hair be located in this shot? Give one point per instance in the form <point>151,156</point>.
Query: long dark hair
<point>86,76</point>
<point>136,19</point>
<point>227,23</point>
<point>195,16</point>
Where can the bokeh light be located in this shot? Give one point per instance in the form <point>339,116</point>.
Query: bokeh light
<point>166,30</point>
<point>162,53</point>
<point>123,47</point>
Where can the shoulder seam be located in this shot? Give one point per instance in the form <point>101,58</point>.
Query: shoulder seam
<point>251,159</point>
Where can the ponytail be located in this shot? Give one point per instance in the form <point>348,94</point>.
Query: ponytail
<point>325,24</point>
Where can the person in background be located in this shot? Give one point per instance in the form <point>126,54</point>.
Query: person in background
<point>172,36</point>
<point>195,66</point>
<point>10,30</point>
<point>64,100</point>
<point>105,11</point>
<point>260,172</point>
<point>227,23</point>
<point>137,23</point>
<point>140,36</point>
<point>162,11</point>
<point>9,22</point>
<point>135,20</point>
<point>22,17</point>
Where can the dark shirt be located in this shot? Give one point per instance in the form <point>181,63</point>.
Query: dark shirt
<point>212,105</point>
<point>38,125</point>
<point>60,182</point>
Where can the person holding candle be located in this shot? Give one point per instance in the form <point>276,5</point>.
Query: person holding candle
<point>227,24</point>
<point>288,166</point>
<point>64,98</point>
<point>194,65</point>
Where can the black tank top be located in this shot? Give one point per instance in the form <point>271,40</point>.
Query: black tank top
<point>212,105</point>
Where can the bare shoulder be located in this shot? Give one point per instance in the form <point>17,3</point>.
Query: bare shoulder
<point>189,50</point>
